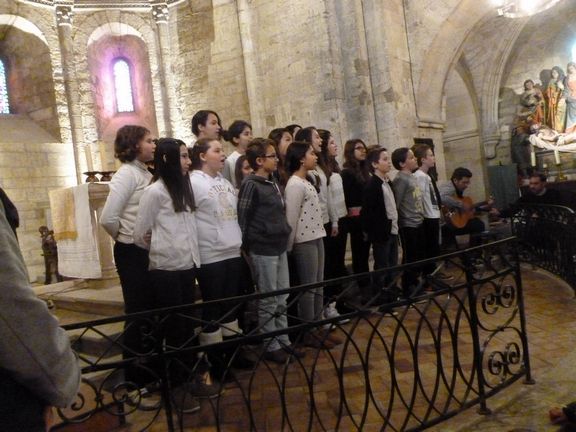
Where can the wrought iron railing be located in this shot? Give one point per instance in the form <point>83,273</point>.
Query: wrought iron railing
<point>402,366</point>
<point>547,235</point>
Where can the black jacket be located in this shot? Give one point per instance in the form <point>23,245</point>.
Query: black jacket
<point>375,222</point>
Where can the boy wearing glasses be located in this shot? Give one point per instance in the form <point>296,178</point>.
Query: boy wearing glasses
<point>265,231</point>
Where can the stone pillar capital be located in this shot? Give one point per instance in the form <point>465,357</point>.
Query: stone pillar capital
<point>160,12</point>
<point>64,15</point>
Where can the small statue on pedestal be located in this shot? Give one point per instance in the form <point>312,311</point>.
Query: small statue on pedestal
<point>50,253</point>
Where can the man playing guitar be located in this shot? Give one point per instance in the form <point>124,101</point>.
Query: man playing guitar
<point>459,210</point>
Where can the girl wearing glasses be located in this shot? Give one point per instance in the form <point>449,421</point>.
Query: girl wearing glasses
<point>355,176</point>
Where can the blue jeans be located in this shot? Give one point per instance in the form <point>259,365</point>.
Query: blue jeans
<point>271,274</point>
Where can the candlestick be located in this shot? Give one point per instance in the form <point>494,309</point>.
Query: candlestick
<point>557,157</point>
<point>103,160</point>
<point>532,157</point>
<point>88,154</point>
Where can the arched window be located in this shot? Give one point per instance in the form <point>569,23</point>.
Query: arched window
<point>4,102</point>
<point>123,86</point>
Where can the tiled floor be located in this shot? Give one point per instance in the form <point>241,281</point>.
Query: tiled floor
<point>551,323</point>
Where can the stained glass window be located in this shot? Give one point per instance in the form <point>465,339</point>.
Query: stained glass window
<point>4,103</point>
<point>123,86</point>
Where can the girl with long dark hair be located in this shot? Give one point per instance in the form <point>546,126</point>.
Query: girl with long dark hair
<point>282,139</point>
<point>304,216</point>
<point>355,176</point>
<point>166,226</point>
<point>334,244</point>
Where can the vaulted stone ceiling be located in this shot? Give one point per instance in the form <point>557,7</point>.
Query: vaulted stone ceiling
<point>104,4</point>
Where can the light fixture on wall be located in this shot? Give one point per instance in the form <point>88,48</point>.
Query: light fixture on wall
<point>522,8</point>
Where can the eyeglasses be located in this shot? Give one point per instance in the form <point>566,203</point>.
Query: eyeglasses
<point>273,156</point>
<point>361,148</point>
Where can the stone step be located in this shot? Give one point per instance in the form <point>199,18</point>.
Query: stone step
<point>77,296</point>
<point>98,341</point>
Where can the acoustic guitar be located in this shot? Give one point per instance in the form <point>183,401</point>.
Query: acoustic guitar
<point>458,218</point>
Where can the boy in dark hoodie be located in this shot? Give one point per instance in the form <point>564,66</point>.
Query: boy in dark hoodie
<point>265,231</point>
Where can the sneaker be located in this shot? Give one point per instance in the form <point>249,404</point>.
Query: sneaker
<point>184,403</point>
<point>336,340</point>
<point>316,340</point>
<point>201,389</point>
<point>293,351</point>
<point>278,356</point>
<point>143,400</point>
<point>443,276</point>
<point>241,362</point>
<point>330,311</point>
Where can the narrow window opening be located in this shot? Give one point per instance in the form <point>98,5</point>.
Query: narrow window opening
<point>4,99</point>
<point>123,86</point>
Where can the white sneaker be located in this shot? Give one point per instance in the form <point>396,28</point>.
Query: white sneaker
<point>330,311</point>
<point>144,400</point>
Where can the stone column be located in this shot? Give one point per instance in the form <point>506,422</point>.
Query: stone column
<point>161,16</point>
<point>390,72</point>
<point>64,14</point>
<point>350,71</point>
<point>251,61</point>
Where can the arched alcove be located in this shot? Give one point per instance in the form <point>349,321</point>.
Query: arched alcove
<point>104,50</point>
<point>27,60</point>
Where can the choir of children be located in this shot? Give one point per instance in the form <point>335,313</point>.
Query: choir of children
<point>211,217</point>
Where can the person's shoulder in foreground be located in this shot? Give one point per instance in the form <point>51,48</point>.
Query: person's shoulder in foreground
<point>37,366</point>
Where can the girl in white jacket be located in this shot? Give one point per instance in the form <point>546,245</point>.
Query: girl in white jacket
<point>219,241</point>
<point>166,226</point>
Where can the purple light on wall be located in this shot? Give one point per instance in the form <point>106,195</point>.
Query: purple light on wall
<point>123,86</point>
<point>4,102</point>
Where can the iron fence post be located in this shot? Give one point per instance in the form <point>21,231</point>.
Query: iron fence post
<point>468,268</point>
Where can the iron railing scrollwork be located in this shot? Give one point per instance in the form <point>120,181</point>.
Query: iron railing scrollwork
<point>547,235</point>
<point>402,366</point>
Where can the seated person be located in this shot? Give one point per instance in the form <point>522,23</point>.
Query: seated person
<point>459,211</point>
<point>539,193</point>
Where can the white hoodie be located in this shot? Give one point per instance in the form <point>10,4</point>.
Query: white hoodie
<point>219,235</point>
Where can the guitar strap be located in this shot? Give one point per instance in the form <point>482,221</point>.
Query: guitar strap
<point>436,192</point>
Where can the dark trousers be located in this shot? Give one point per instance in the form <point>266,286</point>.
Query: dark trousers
<point>132,266</point>
<point>385,256</point>
<point>176,288</point>
<point>431,242</point>
<point>412,239</point>
<point>217,281</point>
<point>474,227</point>
<point>334,255</point>
<point>20,409</point>
<point>360,248</point>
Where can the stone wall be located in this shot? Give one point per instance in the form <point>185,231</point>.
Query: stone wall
<point>32,164</point>
<point>462,140</point>
<point>208,61</point>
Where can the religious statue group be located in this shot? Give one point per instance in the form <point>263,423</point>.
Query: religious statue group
<point>546,116</point>
<point>555,105</point>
